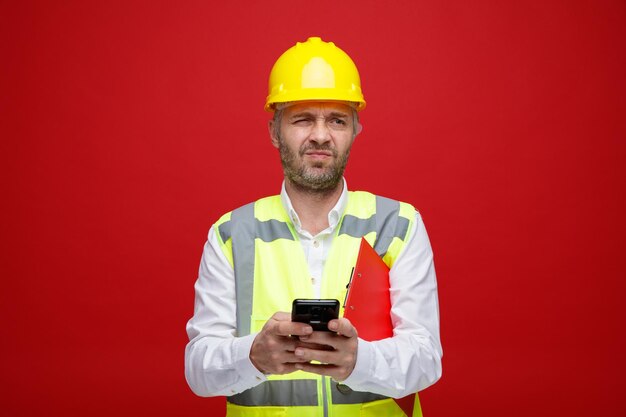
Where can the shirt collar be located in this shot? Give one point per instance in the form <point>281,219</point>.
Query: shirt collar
<point>334,215</point>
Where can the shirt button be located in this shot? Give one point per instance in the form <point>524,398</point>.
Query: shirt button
<point>312,280</point>
<point>316,243</point>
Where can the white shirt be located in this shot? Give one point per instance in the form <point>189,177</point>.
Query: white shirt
<point>218,363</point>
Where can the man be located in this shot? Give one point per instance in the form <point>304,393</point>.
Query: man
<point>303,244</point>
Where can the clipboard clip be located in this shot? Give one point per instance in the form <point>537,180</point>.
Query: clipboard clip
<point>348,288</point>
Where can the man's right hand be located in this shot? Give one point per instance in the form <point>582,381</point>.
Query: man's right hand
<point>273,348</point>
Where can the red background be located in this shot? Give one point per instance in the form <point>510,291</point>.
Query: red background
<point>129,127</point>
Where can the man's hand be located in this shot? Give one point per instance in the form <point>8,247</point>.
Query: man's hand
<point>273,349</point>
<point>337,361</point>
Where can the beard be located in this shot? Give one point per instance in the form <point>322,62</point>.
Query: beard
<point>307,178</point>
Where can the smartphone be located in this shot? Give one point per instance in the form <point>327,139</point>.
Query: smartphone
<point>315,312</point>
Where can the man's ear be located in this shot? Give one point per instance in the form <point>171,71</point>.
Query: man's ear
<point>270,127</point>
<point>359,128</point>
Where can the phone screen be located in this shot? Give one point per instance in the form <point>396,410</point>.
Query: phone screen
<point>315,312</point>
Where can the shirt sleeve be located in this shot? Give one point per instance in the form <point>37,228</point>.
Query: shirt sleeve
<point>410,360</point>
<point>217,362</point>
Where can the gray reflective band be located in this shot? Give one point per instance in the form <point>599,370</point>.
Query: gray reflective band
<point>272,230</point>
<point>244,228</point>
<point>356,227</point>
<point>224,231</point>
<point>267,231</point>
<point>298,392</point>
<point>386,223</point>
<point>243,259</point>
<point>324,396</point>
<point>402,228</point>
<point>347,396</point>
<point>389,224</point>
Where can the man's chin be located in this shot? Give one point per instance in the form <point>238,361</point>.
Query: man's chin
<point>319,183</point>
<point>319,166</point>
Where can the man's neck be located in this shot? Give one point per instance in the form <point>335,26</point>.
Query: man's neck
<point>313,206</point>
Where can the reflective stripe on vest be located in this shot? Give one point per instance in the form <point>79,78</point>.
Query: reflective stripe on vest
<point>298,392</point>
<point>386,217</point>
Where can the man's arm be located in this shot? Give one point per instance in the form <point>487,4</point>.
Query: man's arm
<point>411,360</point>
<point>217,362</point>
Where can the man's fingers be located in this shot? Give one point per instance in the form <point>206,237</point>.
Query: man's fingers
<point>288,328</point>
<point>317,368</point>
<point>282,325</point>
<point>323,356</point>
<point>343,327</point>
<point>309,345</point>
<point>343,330</point>
<point>336,364</point>
<point>335,372</point>
<point>281,316</point>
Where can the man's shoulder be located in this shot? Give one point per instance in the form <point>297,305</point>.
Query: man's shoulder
<point>264,202</point>
<point>366,196</point>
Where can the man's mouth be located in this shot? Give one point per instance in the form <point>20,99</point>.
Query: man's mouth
<point>319,154</point>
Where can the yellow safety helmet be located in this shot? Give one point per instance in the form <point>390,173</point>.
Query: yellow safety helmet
<point>314,70</point>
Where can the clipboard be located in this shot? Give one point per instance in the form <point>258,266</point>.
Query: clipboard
<point>368,304</point>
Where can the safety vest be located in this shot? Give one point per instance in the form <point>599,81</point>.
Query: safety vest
<point>261,244</point>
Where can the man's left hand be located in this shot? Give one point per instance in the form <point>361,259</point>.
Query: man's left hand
<point>339,359</point>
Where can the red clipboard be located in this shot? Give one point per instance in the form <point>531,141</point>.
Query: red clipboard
<point>368,304</point>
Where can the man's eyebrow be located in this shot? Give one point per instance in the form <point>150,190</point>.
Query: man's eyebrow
<point>301,114</point>
<point>338,114</point>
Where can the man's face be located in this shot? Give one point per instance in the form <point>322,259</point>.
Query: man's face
<point>314,139</point>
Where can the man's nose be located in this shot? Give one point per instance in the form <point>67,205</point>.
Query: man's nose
<point>320,132</point>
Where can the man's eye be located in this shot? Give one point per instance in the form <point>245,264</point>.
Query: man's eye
<point>300,121</point>
<point>338,122</point>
